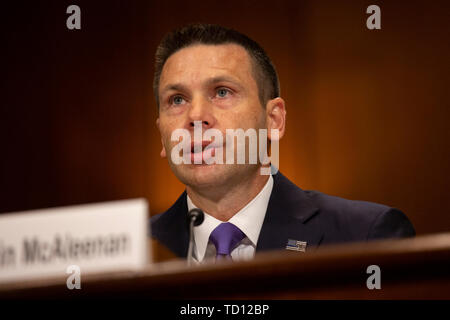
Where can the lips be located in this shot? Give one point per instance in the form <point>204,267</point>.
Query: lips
<point>200,147</point>
<point>203,151</point>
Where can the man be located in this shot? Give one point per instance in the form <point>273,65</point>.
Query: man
<point>213,78</point>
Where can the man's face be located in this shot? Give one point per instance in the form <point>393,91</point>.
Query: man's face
<point>213,84</point>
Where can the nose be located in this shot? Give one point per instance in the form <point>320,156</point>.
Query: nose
<point>201,110</point>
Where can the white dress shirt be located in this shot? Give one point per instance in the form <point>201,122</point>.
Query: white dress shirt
<point>249,219</point>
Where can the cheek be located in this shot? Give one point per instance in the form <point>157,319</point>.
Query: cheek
<point>247,114</point>
<point>250,119</point>
<point>166,132</point>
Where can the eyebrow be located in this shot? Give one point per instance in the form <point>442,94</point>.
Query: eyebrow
<point>174,87</point>
<point>223,79</point>
<point>214,80</point>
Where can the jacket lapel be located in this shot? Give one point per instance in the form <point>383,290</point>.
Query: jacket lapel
<point>288,212</point>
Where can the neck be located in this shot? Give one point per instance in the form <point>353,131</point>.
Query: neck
<point>224,201</point>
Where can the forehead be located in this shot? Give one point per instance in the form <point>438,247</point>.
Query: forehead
<point>199,61</point>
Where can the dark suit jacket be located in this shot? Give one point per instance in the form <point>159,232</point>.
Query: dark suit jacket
<point>293,213</point>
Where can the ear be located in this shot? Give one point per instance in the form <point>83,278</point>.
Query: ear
<point>275,117</point>
<point>163,150</point>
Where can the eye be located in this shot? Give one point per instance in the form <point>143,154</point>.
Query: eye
<point>222,92</point>
<point>177,100</point>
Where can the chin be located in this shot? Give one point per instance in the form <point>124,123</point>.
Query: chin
<point>203,175</point>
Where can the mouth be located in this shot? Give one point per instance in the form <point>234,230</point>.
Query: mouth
<point>199,147</point>
<point>201,152</point>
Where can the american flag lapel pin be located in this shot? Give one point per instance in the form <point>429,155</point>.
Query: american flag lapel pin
<point>296,245</point>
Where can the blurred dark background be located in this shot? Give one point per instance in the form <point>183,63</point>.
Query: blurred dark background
<point>368,110</point>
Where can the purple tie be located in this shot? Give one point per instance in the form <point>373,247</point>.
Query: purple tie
<point>225,238</point>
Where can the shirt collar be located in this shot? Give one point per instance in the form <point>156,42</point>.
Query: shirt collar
<point>249,219</point>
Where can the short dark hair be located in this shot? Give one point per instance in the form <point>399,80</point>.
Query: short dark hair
<point>263,69</point>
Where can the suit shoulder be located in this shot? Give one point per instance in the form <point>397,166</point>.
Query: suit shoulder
<point>170,227</point>
<point>343,206</point>
<point>154,219</point>
<point>355,220</point>
<point>166,221</point>
<point>158,219</point>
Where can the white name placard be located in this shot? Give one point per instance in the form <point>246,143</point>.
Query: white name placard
<point>101,237</point>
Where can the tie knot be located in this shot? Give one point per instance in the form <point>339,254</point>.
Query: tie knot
<point>225,237</point>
